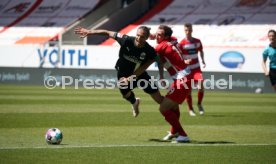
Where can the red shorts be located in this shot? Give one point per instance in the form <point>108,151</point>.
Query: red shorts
<point>179,90</point>
<point>197,75</point>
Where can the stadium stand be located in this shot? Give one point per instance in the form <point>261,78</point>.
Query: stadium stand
<point>40,21</point>
<point>218,23</point>
<point>32,22</point>
<point>114,15</point>
<point>217,12</point>
<point>92,19</point>
<point>242,23</point>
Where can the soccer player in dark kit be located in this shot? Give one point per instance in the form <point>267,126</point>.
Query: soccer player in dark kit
<point>135,56</point>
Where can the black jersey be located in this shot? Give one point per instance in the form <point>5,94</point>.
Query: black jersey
<point>130,56</point>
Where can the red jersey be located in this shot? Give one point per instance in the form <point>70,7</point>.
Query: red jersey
<point>190,50</point>
<point>172,58</point>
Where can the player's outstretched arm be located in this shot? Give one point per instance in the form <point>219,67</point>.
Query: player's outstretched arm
<point>83,32</point>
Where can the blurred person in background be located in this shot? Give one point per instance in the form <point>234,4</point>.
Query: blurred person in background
<point>270,52</point>
<point>191,47</point>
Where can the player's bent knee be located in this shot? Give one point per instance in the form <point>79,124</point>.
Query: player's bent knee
<point>167,104</point>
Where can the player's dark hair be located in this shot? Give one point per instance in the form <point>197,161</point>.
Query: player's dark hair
<point>273,31</point>
<point>167,30</point>
<point>189,25</point>
<point>146,30</point>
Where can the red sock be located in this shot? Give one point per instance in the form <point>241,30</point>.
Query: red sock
<point>200,95</point>
<point>177,113</point>
<point>172,119</point>
<point>189,101</point>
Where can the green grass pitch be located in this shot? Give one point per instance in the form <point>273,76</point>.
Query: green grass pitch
<point>98,127</point>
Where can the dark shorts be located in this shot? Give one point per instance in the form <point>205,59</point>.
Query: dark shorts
<point>272,76</point>
<point>142,82</point>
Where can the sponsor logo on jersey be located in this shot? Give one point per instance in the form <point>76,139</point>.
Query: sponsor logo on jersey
<point>142,55</point>
<point>191,46</point>
<point>132,59</point>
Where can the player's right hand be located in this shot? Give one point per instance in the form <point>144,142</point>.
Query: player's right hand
<point>82,32</point>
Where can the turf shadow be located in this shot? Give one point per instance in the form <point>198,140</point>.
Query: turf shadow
<point>212,142</point>
<point>157,140</point>
<point>216,115</point>
<point>196,142</point>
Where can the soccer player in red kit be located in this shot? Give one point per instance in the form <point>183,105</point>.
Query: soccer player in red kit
<point>191,47</point>
<point>171,58</point>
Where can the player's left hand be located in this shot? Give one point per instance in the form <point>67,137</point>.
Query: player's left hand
<point>187,61</point>
<point>203,64</point>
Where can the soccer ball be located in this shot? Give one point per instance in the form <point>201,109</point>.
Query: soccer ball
<point>53,136</point>
<point>259,90</point>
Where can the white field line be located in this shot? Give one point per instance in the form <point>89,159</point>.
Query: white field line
<point>115,146</point>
